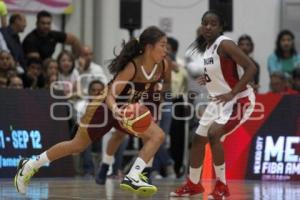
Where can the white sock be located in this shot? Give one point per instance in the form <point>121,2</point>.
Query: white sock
<point>137,168</point>
<point>107,159</point>
<point>150,163</point>
<point>220,172</point>
<point>195,174</point>
<point>40,160</point>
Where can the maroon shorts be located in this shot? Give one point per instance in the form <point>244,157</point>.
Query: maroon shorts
<point>98,120</point>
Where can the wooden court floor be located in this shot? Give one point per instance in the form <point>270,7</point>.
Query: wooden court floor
<point>86,188</point>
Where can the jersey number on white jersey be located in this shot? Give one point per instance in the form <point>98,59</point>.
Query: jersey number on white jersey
<point>207,79</point>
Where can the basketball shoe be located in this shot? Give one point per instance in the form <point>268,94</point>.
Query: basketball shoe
<point>140,186</point>
<point>188,189</point>
<point>220,191</point>
<point>24,173</point>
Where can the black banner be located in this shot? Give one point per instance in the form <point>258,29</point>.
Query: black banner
<point>27,129</point>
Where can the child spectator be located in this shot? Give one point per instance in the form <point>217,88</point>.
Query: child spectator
<point>67,72</point>
<point>50,67</point>
<point>33,78</point>
<point>15,82</point>
<point>5,63</point>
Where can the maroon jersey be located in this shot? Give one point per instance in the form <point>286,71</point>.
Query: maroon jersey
<point>147,90</point>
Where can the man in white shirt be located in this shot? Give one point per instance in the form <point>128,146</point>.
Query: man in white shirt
<point>89,70</point>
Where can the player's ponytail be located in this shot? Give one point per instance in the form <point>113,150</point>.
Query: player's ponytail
<point>130,50</point>
<point>135,47</point>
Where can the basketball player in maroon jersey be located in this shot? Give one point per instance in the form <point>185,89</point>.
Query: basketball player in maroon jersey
<point>138,69</point>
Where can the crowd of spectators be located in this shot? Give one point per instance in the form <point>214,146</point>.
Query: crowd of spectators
<point>31,64</point>
<point>32,59</point>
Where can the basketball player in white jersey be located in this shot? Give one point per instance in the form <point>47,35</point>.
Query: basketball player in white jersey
<point>232,102</point>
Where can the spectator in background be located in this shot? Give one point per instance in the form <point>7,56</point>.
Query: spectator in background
<point>87,161</point>
<point>67,72</point>
<point>285,58</point>
<point>5,63</point>
<point>50,67</point>
<point>179,80</point>
<point>33,77</point>
<point>17,24</point>
<point>15,82</point>
<point>246,44</point>
<point>89,70</point>
<point>296,79</point>
<point>279,84</point>
<point>41,42</point>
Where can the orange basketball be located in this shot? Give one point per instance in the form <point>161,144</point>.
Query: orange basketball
<point>137,118</point>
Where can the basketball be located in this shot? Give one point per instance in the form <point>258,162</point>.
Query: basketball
<point>137,118</point>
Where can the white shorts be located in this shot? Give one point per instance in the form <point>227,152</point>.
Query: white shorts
<point>232,114</point>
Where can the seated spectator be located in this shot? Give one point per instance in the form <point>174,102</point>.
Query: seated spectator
<point>17,24</point>
<point>5,63</point>
<point>15,82</point>
<point>33,78</point>
<point>67,72</point>
<point>246,44</point>
<point>14,66</point>
<point>51,71</point>
<point>89,70</point>
<point>51,67</point>
<point>285,58</point>
<point>41,42</point>
<point>90,157</point>
<point>279,84</point>
<point>296,79</point>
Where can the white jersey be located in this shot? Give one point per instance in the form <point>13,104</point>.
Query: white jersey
<point>221,73</point>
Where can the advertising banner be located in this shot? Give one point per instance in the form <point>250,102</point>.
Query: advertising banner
<point>27,129</point>
<point>52,6</point>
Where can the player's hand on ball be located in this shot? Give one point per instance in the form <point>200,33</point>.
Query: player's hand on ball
<point>118,113</point>
<point>137,118</point>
